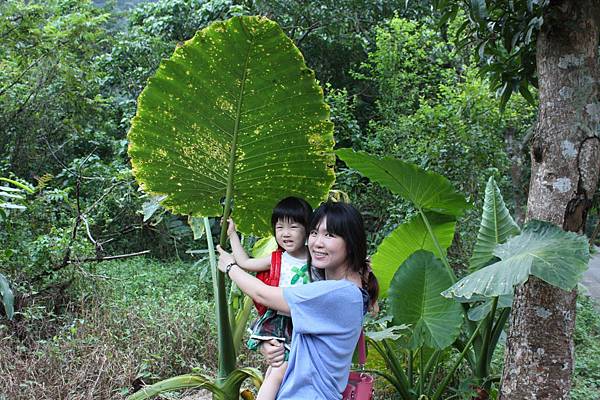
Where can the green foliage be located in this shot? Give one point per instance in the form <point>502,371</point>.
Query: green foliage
<point>417,52</point>
<point>427,191</point>
<point>178,20</point>
<point>502,35</point>
<point>229,389</point>
<point>122,323</point>
<point>334,35</point>
<point>49,82</point>
<point>542,249</point>
<point>455,129</point>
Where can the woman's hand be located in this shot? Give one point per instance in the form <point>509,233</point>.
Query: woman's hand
<point>273,351</point>
<point>224,259</point>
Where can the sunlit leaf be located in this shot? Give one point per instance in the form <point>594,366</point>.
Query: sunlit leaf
<point>197,226</point>
<point>263,247</point>
<point>151,206</point>
<point>405,240</point>
<point>392,333</point>
<point>235,104</point>
<point>426,190</point>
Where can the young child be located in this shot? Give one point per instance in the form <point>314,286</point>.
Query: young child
<point>290,219</point>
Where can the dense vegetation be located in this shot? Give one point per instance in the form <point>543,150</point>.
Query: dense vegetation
<point>86,326</point>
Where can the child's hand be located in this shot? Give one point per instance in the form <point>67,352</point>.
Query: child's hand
<point>274,352</point>
<point>231,228</point>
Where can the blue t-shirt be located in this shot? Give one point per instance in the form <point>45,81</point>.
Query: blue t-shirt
<point>327,318</point>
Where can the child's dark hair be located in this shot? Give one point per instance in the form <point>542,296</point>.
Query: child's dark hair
<point>345,221</point>
<point>294,209</point>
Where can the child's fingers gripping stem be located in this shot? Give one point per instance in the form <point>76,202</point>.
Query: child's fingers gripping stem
<point>274,352</point>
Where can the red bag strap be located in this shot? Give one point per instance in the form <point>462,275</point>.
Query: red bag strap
<point>362,350</point>
<point>275,270</point>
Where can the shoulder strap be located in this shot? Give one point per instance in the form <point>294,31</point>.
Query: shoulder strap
<point>362,350</point>
<point>275,271</point>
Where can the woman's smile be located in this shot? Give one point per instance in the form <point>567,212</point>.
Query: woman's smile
<point>327,251</point>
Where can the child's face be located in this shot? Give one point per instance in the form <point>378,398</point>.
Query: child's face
<point>290,235</point>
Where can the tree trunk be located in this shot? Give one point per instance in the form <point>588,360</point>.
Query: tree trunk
<point>565,163</point>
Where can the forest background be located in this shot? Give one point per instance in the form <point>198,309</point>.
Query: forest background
<point>88,326</point>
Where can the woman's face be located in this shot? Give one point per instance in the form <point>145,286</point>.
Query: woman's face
<point>327,251</point>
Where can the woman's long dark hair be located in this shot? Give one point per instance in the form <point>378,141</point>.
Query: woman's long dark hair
<point>345,221</point>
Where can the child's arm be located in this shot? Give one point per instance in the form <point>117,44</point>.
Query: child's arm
<point>270,296</point>
<point>241,258</point>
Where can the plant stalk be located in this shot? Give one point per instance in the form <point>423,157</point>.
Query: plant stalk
<point>482,369</point>
<point>226,356</point>
<point>225,339</point>
<point>437,245</point>
<point>449,375</point>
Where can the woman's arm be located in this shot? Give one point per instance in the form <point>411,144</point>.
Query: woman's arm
<point>241,258</point>
<point>269,296</point>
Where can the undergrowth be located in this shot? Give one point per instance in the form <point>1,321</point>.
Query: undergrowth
<point>134,322</point>
<point>128,323</point>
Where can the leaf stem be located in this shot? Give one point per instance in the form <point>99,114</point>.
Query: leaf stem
<point>436,243</point>
<point>449,375</point>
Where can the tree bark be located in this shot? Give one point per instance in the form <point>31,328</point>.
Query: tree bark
<point>565,159</point>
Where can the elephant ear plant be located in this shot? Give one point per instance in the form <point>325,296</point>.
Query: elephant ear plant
<point>233,120</point>
<point>443,313</point>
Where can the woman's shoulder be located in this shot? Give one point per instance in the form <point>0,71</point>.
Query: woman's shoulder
<point>338,286</point>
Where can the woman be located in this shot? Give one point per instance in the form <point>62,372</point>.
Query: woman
<point>327,315</point>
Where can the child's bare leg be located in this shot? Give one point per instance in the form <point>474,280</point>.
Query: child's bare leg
<point>270,386</point>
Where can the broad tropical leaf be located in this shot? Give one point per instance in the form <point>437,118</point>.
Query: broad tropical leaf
<point>8,299</point>
<point>392,333</point>
<point>263,247</point>
<point>542,249</point>
<point>496,226</point>
<point>415,299</point>
<point>405,240</point>
<point>234,105</point>
<point>426,190</point>
<point>227,390</point>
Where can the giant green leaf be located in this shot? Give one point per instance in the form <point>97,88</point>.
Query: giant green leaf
<point>405,240</point>
<point>496,226</point>
<point>425,189</point>
<point>235,104</point>
<point>415,299</point>
<point>542,249</point>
